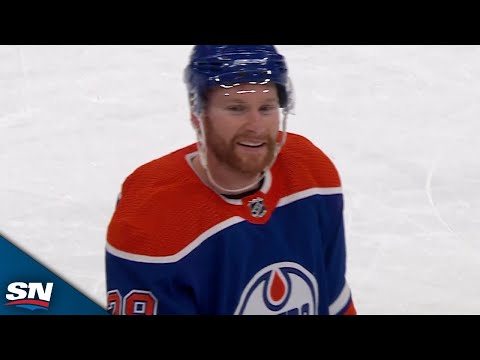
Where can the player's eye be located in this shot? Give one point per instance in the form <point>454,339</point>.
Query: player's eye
<point>236,108</point>
<point>267,108</point>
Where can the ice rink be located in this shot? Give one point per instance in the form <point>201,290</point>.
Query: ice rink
<point>402,124</point>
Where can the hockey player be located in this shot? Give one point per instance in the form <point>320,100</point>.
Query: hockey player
<point>246,220</point>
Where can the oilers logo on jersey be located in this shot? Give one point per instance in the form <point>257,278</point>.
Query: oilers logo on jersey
<point>280,289</point>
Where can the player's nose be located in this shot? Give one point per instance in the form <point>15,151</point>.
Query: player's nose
<point>255,120</point>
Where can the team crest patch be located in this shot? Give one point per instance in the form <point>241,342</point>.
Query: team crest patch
<point>257,207</point>
<point>284,288</point>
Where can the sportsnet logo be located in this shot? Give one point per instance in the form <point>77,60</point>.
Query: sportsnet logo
<point>31,296</point>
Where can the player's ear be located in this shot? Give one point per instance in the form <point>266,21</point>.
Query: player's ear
<point>195,121</point>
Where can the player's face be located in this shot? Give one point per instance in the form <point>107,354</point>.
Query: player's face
<point>241,126</point>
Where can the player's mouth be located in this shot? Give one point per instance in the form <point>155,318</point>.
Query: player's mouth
<point>252,145</point>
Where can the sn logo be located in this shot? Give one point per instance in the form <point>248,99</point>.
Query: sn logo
<point>32,296</point>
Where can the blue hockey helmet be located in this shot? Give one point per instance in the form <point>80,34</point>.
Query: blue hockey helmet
<point>227,65</point>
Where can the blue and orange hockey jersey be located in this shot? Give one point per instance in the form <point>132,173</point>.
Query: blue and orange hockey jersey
<point>174,246</point>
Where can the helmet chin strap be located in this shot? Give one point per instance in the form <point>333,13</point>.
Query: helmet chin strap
<point>202,150</point>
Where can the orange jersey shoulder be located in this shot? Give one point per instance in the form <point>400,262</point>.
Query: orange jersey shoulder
<point>163,206</point>
<point>303,165</point>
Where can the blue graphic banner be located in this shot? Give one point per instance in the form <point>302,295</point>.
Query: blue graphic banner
<point>29,288</point>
